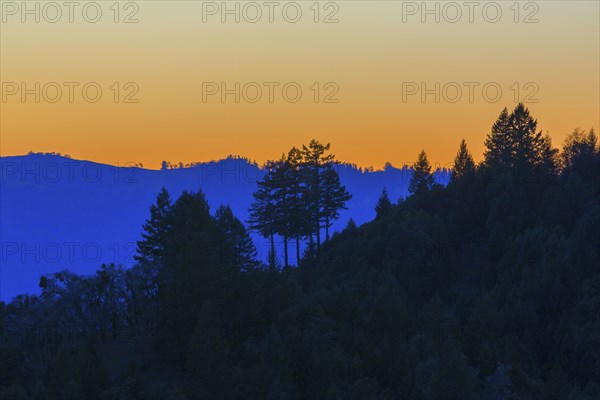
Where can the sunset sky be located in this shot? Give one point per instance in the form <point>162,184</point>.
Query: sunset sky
<point>366,61</point>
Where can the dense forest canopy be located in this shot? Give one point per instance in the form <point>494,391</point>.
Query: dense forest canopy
<point>488,288</point>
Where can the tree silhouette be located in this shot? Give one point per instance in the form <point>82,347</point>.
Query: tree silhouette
<point>579,150</point>
<point>314,162</point>
<point>351,225</point>
<point>238,242</point>
<point>422,178</point>
<point>463,163</point>
<point>196,267</point>
<point>283,197</point>
<point>297,214</point>
<point>150,250</point>
<point>151,247</point>
<point>334,197</point>
<point>384,204</point>
<point>515,145</point>
<point>299,195</point>
<point>263,211</point>
<point>498,145</point>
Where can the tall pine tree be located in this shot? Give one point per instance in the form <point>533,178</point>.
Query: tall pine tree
<point>463,163</point>
<point>297,214</point>
<point>283,199</point>
<point>150,250</point>
<point>263,211</point>
<point>422,178</point>
<point>314,162</point>
<point>151,247</point>
<point>498,146</point>
<point>324,195</point>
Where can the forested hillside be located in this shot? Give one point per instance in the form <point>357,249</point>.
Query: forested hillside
<point>63,213</point>
<point>487,288</point>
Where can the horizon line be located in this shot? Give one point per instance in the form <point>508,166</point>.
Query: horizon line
<point>176,166</point>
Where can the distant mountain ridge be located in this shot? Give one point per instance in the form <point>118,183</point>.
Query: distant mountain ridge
<point>57,212</point>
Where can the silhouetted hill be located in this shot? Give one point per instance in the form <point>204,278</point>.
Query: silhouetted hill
<point>57,212</point>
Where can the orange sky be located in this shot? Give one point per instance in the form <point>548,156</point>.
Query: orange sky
<point>369,61</point>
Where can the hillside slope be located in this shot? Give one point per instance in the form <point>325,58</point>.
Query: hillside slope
<point>57,212</point>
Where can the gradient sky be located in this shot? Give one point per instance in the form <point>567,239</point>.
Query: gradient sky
<point>369,53</point>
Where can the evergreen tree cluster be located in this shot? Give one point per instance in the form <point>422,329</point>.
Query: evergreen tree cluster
<point>299,196</point>
<point>487,289</point>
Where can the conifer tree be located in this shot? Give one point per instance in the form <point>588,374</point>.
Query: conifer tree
<point>263,218</point>
<point>351,225</point>
<point>422,178</point>
<point>151,247</point>
<point>299,195</point>
<point>283,199</point>
<point>384,204</point>
<point>238,242</point>
<point>497,142</point>
<point>334,197</point>
<point>298,212</point>
<point>195,268</point>
<point>150,250</point>
<point>324,195</point>
<point>514,144</point>
<point>463,163</point>
<point>314,161</point>
<point>547,160</point>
